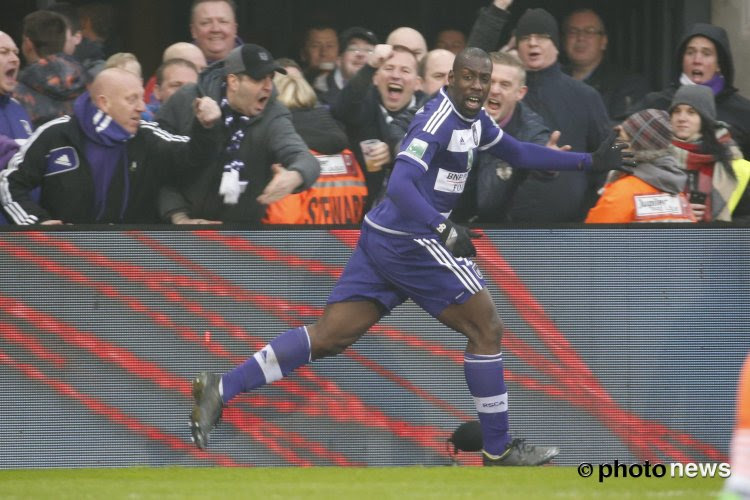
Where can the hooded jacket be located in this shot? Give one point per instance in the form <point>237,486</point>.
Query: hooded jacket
<point>731,107</point>
<point>269,138</point>
<point>48,88</point>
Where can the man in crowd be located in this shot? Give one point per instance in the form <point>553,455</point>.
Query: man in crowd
<point>319,53</point>
<point>213,26</point>
<point>102,165</point>
<point>452,40</point>
<point>567,105</point>
<point>52,80</point>
<point>179,50</point>
<point>585,45</point>
<point>15,124</point>
<point>378,103</point>
<point>493,185</point>
<point>256,134</point>
<point>355,44</point>
<point>434,69</point>
<point>704,57</point>
<point>171,75</point>
<point>409,38</point>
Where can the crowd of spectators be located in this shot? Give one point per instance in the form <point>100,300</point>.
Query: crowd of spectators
<point>223,132</point>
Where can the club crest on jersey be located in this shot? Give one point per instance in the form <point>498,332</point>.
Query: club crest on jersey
<point>62,160</point>
<point>417,148</point>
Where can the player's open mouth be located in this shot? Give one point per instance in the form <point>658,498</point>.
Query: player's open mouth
<point>473,102</point>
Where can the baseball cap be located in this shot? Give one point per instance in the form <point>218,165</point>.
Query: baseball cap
<point>349,34</point>
<point>252,60</point>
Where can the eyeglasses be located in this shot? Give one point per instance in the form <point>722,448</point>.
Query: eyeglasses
<point>538,36</point>
<point>360,50</point>
<point>585,32</point>
<point>4,51</point>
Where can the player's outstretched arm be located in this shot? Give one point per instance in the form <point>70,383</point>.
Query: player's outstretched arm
<point>609,156</point>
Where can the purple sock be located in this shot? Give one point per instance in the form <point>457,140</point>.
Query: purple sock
<point>282,356</point>
<point>484,376</point>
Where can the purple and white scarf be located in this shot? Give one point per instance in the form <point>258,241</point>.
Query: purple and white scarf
<point>106,150</point>
<point>236,123</point>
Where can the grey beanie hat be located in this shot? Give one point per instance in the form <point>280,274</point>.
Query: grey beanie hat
<point>699,97</point>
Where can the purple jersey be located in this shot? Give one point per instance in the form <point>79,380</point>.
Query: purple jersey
<point>442,143</point>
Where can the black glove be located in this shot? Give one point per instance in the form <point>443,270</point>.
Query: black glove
<point>610,156</point>
<point>457,239</point>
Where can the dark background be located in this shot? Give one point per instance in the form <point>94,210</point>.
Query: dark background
<point>643,33</point>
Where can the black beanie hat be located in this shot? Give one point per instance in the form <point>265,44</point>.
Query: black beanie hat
<point>699,97</point>
<point>538,22</point>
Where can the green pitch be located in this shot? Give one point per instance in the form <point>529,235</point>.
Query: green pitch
<point>525,483</point>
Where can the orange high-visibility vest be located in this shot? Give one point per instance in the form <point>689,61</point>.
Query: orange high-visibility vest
<point>337,197</point>
<point>620,204</point>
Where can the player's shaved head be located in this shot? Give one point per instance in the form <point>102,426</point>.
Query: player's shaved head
<point>470,55</point>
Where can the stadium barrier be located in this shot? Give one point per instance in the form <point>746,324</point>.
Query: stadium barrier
<point>620,344</point>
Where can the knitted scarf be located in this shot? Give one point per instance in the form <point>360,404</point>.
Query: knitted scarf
<point>714,178</point>
<point>106,150</point>
<point>236,124</point>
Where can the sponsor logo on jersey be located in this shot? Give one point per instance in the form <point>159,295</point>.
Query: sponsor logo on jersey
<point>417,148</point>
<point>450,182</point>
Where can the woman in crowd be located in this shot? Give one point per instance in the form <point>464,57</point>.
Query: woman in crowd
<point>689,168</point>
